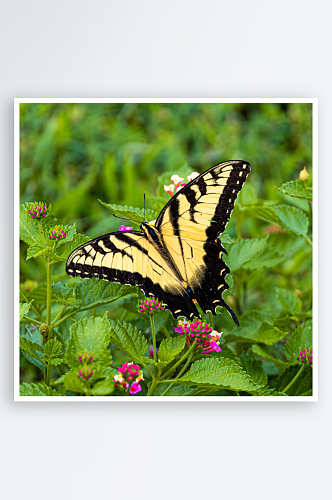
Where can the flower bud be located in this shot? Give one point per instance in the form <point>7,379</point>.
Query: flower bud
<point>304,176</point>
<point>38,210</point>
<point>57,233</point>
<point>44,329</point>
<point>305,356</point>
<point>150,306</point>
<point>298,294</point>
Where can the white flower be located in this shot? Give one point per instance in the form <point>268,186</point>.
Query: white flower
<point>176,179</point>
<point>192,176</point>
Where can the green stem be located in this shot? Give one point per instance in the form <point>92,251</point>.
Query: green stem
<point>293,380</point>
<point>153,386</point>
<point>94,311</point>
<point>307,239</point>
<point>165,332</point>
<point>211,320</point>
<point>171,370</point>
<point>32,307</point>
<point>32,320</point>
<point>48,370</point>
<point>153,339</point>
<point>41,233</point>
<point>181,372</point>
<point>64,318</point>
<point>58,315</point>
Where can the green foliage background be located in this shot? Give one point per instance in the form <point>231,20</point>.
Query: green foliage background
<point>71,155</point>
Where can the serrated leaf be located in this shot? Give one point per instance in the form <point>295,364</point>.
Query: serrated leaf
<point>33,361</point>
<point>301,338</point>
<point>52,349</point>
<point>56,361</point>
<point>35,250</point>
<point>222,372</point>
<point>265,352</point>
<point>288,301</point>
<point>70,231</point>
<point>292,219</point>
<point>254,329</point>
<point>95,293</point>
<point>24,308</point>
<point>31,348</point>
<point>39,389</point>
<point>226,239</point>
<point>64,295</point>
<point>266,257</point>
<point>92,334</point>
<point>103,387</point>
<point>169,348</point>
<point>74,383</point>
<point>134,214</point>
<point>244,251</point>
<point>254,369</point>
<point>262,212</point>
<point>296,189</point>
<point>149,361</point>
<point>78,240</point>
<point>226,352</point>
<point>302,386</point>
<point>29,227</point>
<point>127,338</point>
<point>179,390</point>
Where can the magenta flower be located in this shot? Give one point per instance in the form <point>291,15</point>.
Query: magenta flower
<point>305,356</point>
<point>57,233</point>
<point>150,351</point>
<point>38,210</point>
<point>207,339</point>
<point>135,388</point>
<point>86,357</point>
<point>150,306</point>
<point>85,372</point>
<point>128,377</point>
<point>125,228</point>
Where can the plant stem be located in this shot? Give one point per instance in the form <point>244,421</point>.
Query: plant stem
<point>171,370</point>
<point>48,370</point>
<point>182,371</point>
<point>307,239</point>
<point>293,380</point>
<point>153,386</point>
<point>58,315</point>
<point>32,307</point>
<point>32,320</point>
<point>41,233</point>
<point>153,338</point>
<point>211,320</point>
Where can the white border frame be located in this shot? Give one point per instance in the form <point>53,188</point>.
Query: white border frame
<point>128,399</point>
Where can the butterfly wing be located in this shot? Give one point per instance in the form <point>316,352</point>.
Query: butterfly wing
<point>130,258</point>
<point>190,224</point>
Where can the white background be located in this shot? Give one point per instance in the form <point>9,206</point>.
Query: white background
<point>164,49</point>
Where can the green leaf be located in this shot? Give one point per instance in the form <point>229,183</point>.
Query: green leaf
<point>92,334</point>
<point>74,383</point>
<point>302,386</point>
<point>95,293</point>
<point>35,250</point>
<point>39,389</point>
<point>64,295</point>
<point>254,369</point>
<point>169,348</point>
<point>78,240</point>
<point>265,352</point>
<point>300,339</point>
<point>127,338</point>
<point>266,257</point>
<point>104,387</point>
<point>226,239</point>
<point>254,329</point>
<point>56,361</point>
<point>288,301</point>
<point>292,219</point>
<point>52,349</point>
<point>263,212</point>
<point>223,372</point>
<point>24,308</point>
<point>134,214</point>
<point>33,360</point>
<point>38,294</point>
<point>296,189</point>
<point>179,390</point>
<point>244,251</point>
<point>70,233</point>
<point>31,348</point>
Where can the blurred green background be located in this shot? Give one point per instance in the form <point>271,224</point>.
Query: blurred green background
<point>72,154</point>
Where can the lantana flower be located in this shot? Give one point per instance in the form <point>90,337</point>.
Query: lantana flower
<point>86,357</point>
<point>85,372</point>
<point>176,180</point>
<point>169,189</point>
<point>129,377</point>
<point>125,228</point>
<point>192,176</point>
<point>150,306</point>
<point>305,356</point>
<point>304,176</point>
<point>207,339</point>
<point>38,210</point>
<point>57,233</point>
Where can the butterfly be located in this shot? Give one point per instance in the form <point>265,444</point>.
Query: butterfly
<point>178,259</point>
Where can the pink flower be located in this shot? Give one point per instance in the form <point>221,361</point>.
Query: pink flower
<point>150,306</point>
<point>125,228</point>
<point>135,388</point>
<point>38,210</point>
<point>57,233</point>
<point>169,189</point>
<point>176,180</point>
<point>305,356</point>
<point>207,339</point>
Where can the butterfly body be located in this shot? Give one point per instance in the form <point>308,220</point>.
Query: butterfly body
<point>179,259</point>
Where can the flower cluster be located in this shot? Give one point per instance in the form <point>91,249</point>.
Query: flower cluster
<point>305,356</point>
<point>129,377</point>
<point>86,357</point>
<point>44,329</point>
<point>57,233</point>
<point>207,339</point>
<point>150,306</point>
<point>125,228</point>
<point>178,184</point>
<point>29,285</point>
<point>38,210</point>
<point>85,372</point>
